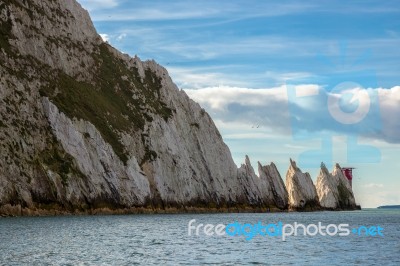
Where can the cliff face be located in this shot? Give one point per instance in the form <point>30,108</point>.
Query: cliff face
<point>301,190</point>
<point>334,190</point>
<point>277,187</point>
<point>85,127</point>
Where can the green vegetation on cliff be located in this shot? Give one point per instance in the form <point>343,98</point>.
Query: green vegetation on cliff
<point>118,100</point>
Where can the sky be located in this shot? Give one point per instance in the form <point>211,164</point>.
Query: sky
<point>309,80</point>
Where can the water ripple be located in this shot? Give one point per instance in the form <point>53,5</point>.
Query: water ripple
<point>163,240</point>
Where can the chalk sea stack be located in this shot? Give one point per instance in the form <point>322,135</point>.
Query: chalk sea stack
<point>301,189</point>
<point>334,190</point>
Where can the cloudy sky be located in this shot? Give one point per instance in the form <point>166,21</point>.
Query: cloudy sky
<point>313,81</point>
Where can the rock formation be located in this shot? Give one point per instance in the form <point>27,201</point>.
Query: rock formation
<point>334,190</point>
<point>301,190</point>
<point>276,185</point>
<point>267,189</point>
<point>84,127</point>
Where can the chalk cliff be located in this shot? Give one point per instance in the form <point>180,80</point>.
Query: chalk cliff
<point>84,127</point>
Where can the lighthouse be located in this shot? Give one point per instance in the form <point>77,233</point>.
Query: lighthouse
<point>348,173</point>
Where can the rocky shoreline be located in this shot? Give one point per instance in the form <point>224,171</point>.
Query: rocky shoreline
<point>8,211</point>
<point>296,200</point>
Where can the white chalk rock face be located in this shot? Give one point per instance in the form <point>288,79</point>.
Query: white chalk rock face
<point>334,190</point>
<point>252,184</point>
<point>276,185</point>
<point>327,189</point>
<point>193,164</point>
<point>106,177</point>
<point>301,189</point>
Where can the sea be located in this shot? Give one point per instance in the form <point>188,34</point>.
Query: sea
<point>366,237</point>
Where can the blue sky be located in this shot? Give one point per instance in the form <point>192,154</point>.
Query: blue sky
<point>314,81</point>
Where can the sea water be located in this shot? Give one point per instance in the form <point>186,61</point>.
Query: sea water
<point>163,239</point>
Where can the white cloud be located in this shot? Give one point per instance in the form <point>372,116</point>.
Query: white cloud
<point>296,147</point>
<point>218,98</point>
<point>206,77</point>
<point>154,14</point>
<point>307,90</point>
<point>179,10</point>
<point>197,78</point>
<point>98,4</point>
<point>269,108</point>
<point>105,37</point>
<point>121,37</point>
<point>373,185</point>
<point>390,109</point>
<point>390,99</point>
<point>254,113</point>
